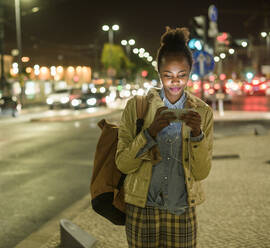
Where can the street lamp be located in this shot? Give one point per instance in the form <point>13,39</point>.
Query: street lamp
<point>128,44</point>
<point>266,35</point>
<point>244,44</point>
<point>263,34</point>
<point>135,50</point>
<point>216,59</point>
<point>106,28</point>
<point>231,51</point>
<point>222,55</point>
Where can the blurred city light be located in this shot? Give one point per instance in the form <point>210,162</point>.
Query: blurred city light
<point>222,55</point>
<point>35,9</point>
<point>105,28</point>
<point>142,50</point>
<point>231,51</point>
<point>93,90</point>
<point>71,69</point>
<point>244,44</point>
<point>28,69</point>
<point>91,101</point>
<point>154,63</point>
<point>141,55</point>
<point>36,67</point>
<point>194,77</point>
<point>59,69</point>
<point>43,69</point>
<point>25,59</point>
<point>198,45</point>
<point>36,70</point>
<point>222,76</point>
<point>102,90</point>
<point>15,65</point>
<point>216,59</point>
<point>124,42</point>
<point>136,50</point>
<point>140,92</point>
<point>131,42</point>
<point>249,75</point>
<point>53,70</point>
<point>263,34</point>
<point>146,55</point>
<point>115,27</point>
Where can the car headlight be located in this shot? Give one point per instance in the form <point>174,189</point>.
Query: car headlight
<point>91,101</point>
<point>75,102</point>
<point>49,101</point>
<point>64,99</point>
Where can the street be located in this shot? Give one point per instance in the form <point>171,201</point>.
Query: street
<point>44,168</point>
<point>249,103</point>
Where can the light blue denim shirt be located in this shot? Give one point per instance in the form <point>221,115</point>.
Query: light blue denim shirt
<point>167,188</point>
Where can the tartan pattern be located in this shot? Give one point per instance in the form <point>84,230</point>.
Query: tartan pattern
<point>151,227</point>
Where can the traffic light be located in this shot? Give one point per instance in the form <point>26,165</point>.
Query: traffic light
<point>198,28</point>
<point>195,44</point>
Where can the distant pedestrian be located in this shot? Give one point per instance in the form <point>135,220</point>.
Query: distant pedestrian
<point>167,160</point>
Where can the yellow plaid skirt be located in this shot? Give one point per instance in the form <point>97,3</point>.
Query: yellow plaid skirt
<point>151,227</point>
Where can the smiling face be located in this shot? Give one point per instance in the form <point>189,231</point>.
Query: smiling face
<point>174,74</point>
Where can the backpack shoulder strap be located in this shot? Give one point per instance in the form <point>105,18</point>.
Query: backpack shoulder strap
<point>141,108</point>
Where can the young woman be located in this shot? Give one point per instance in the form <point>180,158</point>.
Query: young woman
<point>167,160</point>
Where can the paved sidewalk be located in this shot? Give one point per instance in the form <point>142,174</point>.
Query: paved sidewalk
<point>241,116</point>
<point>235,215</point>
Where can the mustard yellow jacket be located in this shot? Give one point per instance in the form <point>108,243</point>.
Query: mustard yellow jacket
<point>196,156</point>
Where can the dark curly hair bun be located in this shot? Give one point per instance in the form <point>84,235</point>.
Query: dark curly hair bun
<point>175,37</point>
<point>174,41</point>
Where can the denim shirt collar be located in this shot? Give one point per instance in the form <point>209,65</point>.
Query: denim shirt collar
<point>179,104</point>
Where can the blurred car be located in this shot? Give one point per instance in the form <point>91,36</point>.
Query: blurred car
<point>255,87</point>
<point>212,91</point>
<point>9,105</point>
<point>89,99</point>
<point>62,98</point>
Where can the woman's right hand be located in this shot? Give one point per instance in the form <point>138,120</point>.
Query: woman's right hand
<point>160,121</point>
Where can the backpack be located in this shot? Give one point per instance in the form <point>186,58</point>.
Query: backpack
<point>106,188</point>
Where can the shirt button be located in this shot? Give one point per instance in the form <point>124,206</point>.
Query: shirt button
<point>166,178</point>
<point>168,158</point>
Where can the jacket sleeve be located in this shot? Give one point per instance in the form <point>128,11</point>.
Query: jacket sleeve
<point>201,151</point>
<point>149,145</point>
<point>128,143</point>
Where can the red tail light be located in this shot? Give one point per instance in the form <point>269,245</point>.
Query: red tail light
<point>206,86</point>
<point>255,81</point>
<point>263,86</point>
<point>211,91</point>
<point>247,87</point>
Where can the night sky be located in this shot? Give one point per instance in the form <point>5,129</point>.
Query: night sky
<point>69,31</point>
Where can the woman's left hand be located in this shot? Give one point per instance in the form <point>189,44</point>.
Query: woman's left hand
<point>193,120</point>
